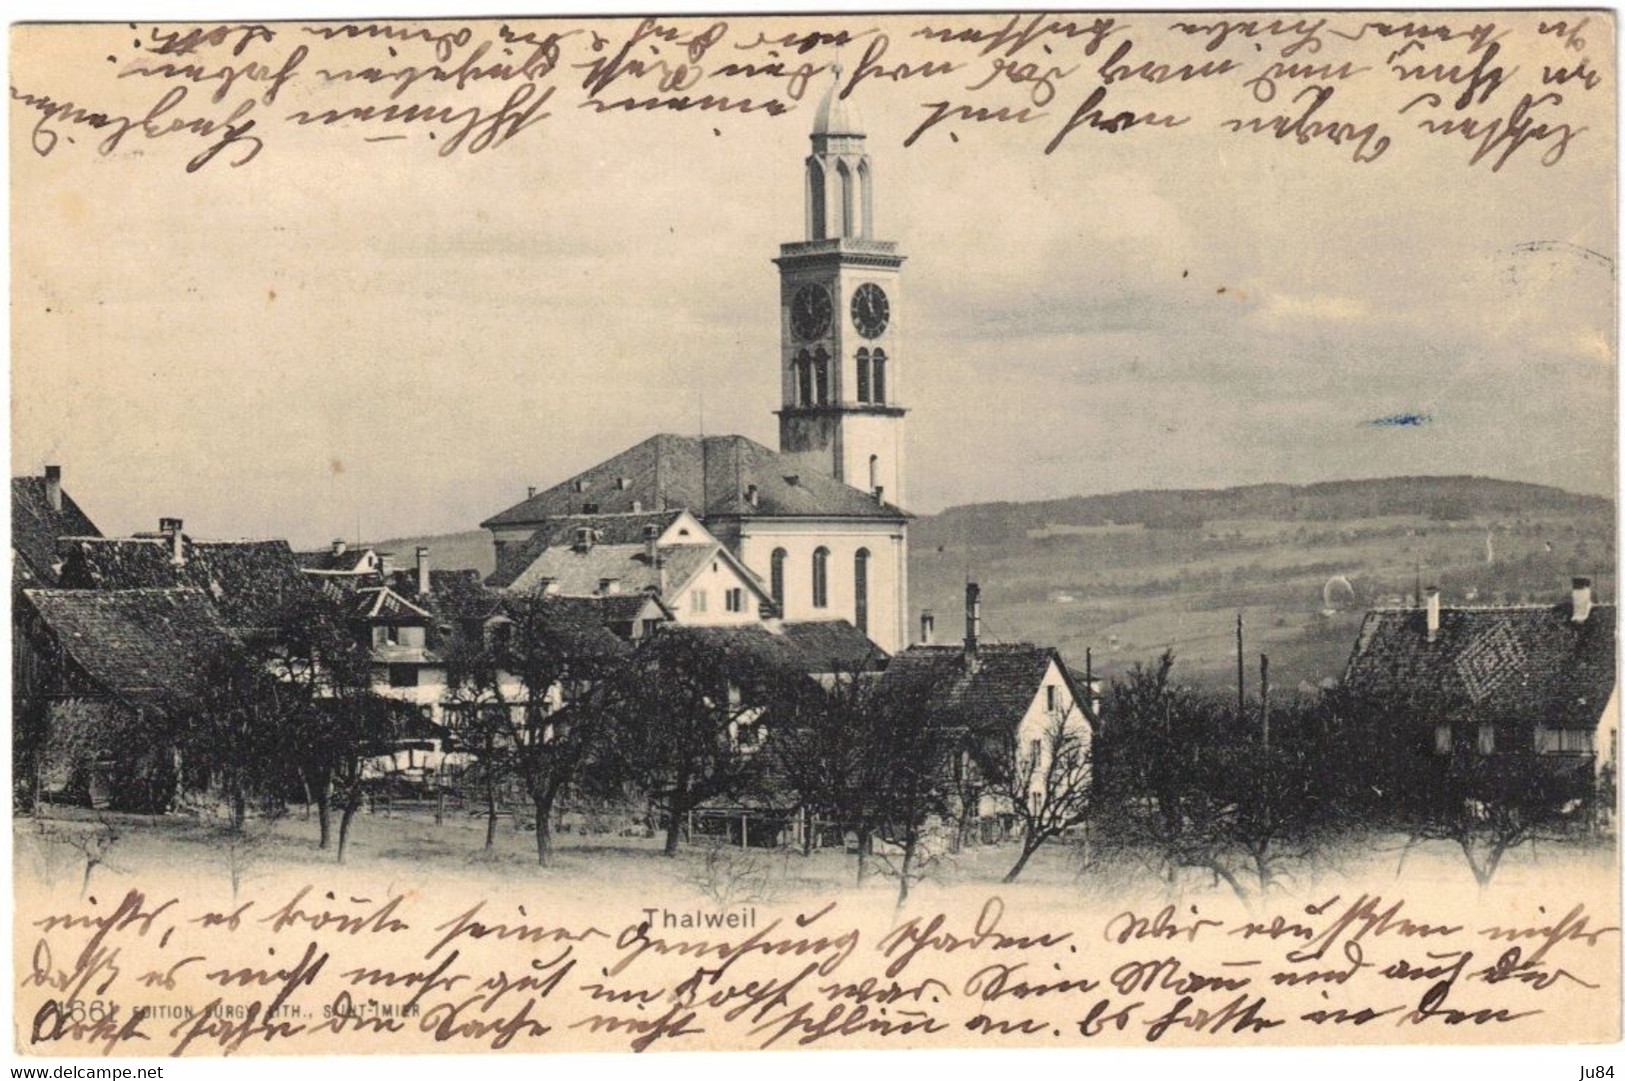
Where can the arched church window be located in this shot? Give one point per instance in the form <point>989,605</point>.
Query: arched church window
<point>820,578</point>
<point>878,381</point>
<point>804,379</point>
<point>777,578</point>
<point>863,375</point>
<point>860,586</point>
<point>821,377</point>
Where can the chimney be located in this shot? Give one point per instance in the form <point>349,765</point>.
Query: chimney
<point>751,495</point>
<point>530,492</point>
<point>973,617</point>
<point>651,544</point>
<point>1433,613</point>
<point>53,486</point>
<point>171,528</point>
<point>386,563</point>
<point>583,539</point>
<point>423,571</point>
<point>339,547</point>
<point>880,493</point>
<point>928,627</point>
<point>1582,600</point>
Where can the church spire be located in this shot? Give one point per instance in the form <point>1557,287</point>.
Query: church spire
<point>840,187</point>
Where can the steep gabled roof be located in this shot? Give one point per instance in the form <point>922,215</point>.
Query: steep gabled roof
<point>36,527</point>
<point>381,604</point>
<point>1524,664</point>
<point>710,476</point>
<point>251,582</point>
<point>148,647</point>
<point>995,692</point>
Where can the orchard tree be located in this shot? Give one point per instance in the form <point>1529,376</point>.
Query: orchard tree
<point>1048,787</point>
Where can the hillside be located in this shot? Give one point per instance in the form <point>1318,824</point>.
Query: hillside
<point>1128,574</point>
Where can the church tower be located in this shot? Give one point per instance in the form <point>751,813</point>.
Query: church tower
<point>840,318</point>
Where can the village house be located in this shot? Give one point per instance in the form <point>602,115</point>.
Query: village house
<point>1018,696</point>
<point>1468,683</point>
<point>341,561</point>
<point>97,676</point>
<point>820,519</point>
<point>251,583</point>
<point>666,556</point>
<point>41,514</point>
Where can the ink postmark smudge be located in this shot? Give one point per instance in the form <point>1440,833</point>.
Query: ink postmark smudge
<point>1401,420</point>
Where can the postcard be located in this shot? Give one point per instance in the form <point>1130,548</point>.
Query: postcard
<point>837,531</point>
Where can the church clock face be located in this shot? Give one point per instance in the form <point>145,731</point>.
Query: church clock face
<point>871,311</point>
<point>811,312</point>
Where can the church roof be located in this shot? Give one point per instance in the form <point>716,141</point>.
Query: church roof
<point>710,476</point>
<point>35,527</point>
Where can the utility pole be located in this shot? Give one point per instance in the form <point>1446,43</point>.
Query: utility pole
<point>1241,673</point>
<point>1264,695</point>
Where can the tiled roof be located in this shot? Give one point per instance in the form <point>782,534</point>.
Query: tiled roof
<point>580,573</point>
<point>996,691</point>
<point>380,604</point>
<point>146,646</point>
<point>709,476</point>
<point>35,528</point>
<point>625,607</point>
<point>1525,664</point>
<point>580,620</point>
<point>454,596</point>
<point>799,650</point>
<point>250,581</point>
<point>834,645</point>
<point>608,528</point>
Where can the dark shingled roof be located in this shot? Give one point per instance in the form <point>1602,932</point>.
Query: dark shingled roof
<point>250,581</point>
<point>812,652</point>
<point>834,645</point>
<point>35,529</point>
<point>454,596</point>
<point>996,693</point>
<point>580,620</point>
<point>149,647</point>
<point>708,476</point>
<point>1521,665</point>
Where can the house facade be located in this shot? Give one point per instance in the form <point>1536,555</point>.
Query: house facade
<point>1463,684</point>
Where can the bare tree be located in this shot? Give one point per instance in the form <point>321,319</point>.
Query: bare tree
<point>907,783</point>
<point>683,704</point>
<point>1048,787</point>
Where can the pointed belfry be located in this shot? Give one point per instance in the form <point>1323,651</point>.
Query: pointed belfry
<point>841,317</point>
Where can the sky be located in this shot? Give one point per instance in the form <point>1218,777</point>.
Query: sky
<point>362,339</point>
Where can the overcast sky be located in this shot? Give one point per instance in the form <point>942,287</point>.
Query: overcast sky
<point>348,337</point>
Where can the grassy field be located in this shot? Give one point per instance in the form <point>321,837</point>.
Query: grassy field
<point>408,847</point>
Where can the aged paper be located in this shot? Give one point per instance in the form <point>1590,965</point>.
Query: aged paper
<point>291,281</point>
